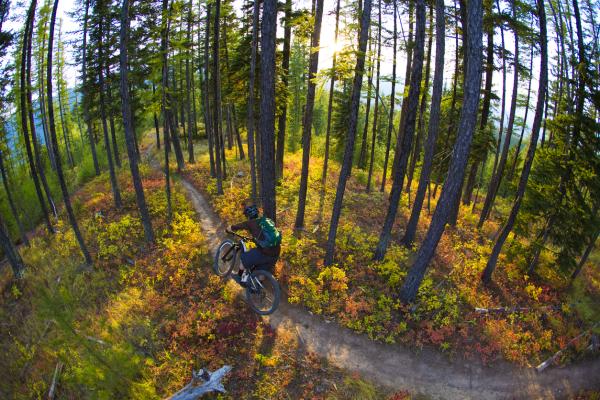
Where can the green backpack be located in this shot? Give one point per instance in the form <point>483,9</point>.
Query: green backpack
<point>269,234</point>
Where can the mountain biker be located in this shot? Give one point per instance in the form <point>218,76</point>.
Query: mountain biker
<point>267,239</point>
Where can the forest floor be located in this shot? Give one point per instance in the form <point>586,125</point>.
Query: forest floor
<point>420,369</point>
<point>135,324</point>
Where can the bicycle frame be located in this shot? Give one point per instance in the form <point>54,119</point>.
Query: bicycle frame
<point>238,245</point>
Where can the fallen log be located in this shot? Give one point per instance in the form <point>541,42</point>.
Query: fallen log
<point>202,382</point>
<point>57,371</point>
<point>552,359</point>
<point>509,310</point>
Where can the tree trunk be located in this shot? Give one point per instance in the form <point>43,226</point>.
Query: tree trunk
<point>251,122</point>
<point>166,104</point>
<point>511,172</point>
<point>110,110</point>
<point>59,171</point>
<point>485,113</point>
<point>191,132</point>
<point>266,122</point>
<point>25,87</point>
<point>329,110</point>
<point>285,66</point>
<point>217,106</point>
<point>362,155</point>
<point>65,131</point>
<point>497,177</point>
<point>404,143</point>
<point>111,120</point>
<point>236,131</point>
<point>13,256</point>
<point>376,108</point>
<point>456,172</point>
<point>111,168</point>
<point>535,130</point>
<point>42,100</point>
<point>156,124</point>
<point>210,133</point>
<point>585,255</point>
<point>86,112</point>
<point>446,144</point>
<point>350,140</point>
<point>416,154</point>
<point>11,203</point>
<point>393,95</point>
<point>434,121</point>
<point>128,126</point>
<point>39,165</point>
<point>79,127</point>
<point>308,113</point>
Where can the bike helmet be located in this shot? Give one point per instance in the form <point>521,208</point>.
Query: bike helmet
<point>251,211</point>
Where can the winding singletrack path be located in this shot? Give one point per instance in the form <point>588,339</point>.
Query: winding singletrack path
<point>427,371</point>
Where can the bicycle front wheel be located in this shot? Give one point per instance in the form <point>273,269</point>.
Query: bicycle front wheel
<point>225,258</point>
<point>263,292</point>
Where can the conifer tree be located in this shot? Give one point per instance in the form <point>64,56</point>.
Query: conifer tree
<point>346,168</point>
<point>52,126</point>
<point>456,172</point>
<point>128,125</point>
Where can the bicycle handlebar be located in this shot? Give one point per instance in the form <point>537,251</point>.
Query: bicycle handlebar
<point>238,235</point>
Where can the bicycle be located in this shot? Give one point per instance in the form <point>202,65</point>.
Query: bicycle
<point>262,289</point>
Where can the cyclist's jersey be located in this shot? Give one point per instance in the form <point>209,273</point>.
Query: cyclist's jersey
<point>253,227</point>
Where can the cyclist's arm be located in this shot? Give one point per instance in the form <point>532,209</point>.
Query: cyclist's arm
<point>240,226</point>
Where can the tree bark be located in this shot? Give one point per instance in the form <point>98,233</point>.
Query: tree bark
<point>251,122</point>
<point>266,122</point>
<point>86,112</point>
<point>128,126</point>
<point>456,172</point>
<point>156,124</point>
<point>485,113</point>
<point>210,133</point>
<point>351,138</point>
<point>61,111</point>
<point>191,132</point>
<point>36,145</point>
<point>42,99</point>
<point>434,121</point>
<point>59,171</point>
<point>11,203</point>
<point>416,154</point>
<point>376,108</point>
<point>217,106</point>
<point>111,168</point>
<point>497,177</point>
<point>585,255</point>
<point>535,130</point>
<point>404,143</point>
<point>111,118</point>
<point>25,87</point>
<point>285,66</point>
<point>166,104</point>
<point>362,155</point>
<point>13,256</point>
<point>511,172</point>
<point>329,111</point>
<point>308,113</point>
<point>393,96</point>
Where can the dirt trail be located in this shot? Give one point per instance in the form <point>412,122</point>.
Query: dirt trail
<point>428,371</point>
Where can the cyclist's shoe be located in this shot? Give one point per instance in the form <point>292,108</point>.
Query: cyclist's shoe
<point>244,277</point>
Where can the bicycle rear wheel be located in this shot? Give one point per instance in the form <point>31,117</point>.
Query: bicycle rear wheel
<point>225,259</point>
<point>263,292</point>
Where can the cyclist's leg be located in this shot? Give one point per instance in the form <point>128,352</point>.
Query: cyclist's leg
<point>250,258</point>
<point>267,264</point>
<point>255,258</point>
